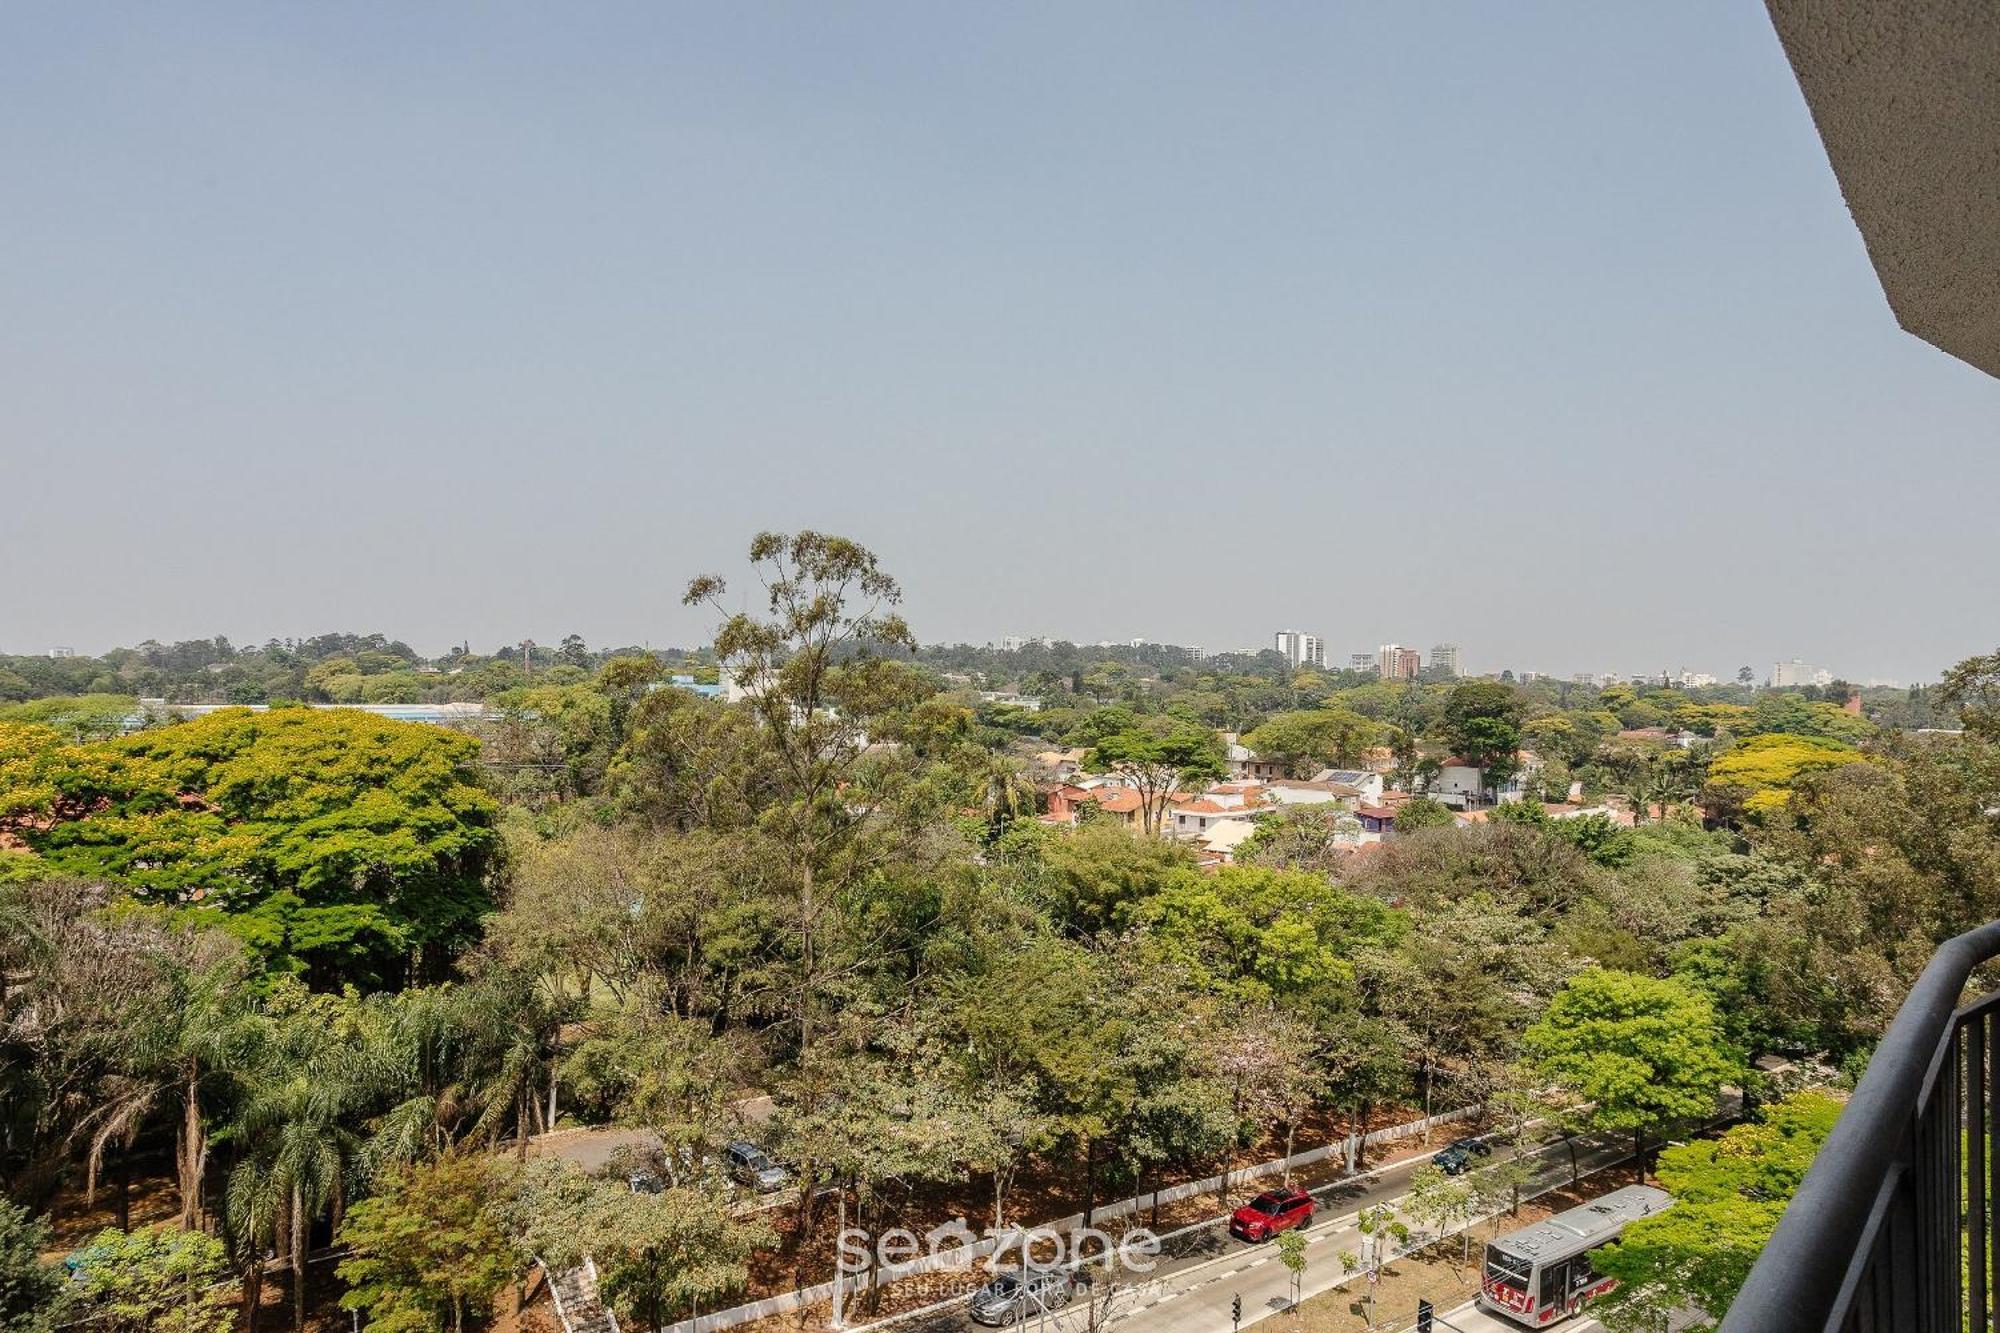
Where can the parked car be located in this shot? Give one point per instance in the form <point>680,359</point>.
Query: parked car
<point>748,1164</point>
<point>1271,1212</point>
<point>1013,1297</point>
<point>1456,1159</point>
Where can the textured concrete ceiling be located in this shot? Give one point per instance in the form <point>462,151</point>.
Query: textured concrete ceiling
<point>1907,100</point>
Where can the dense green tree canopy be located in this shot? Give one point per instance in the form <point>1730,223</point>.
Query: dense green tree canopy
<point>427,1249</point>
<point>330,842</point>
<point>326,962</point>
<point>1645,1052</point>
<point>1306,742</point>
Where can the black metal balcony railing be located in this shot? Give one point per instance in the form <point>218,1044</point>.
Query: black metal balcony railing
<point>1893,1227</point>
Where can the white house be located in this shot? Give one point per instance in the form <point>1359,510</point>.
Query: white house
<point>1459,784</point>
<point>1195,819</point>
<point>1367,784</point>
<point>1224,838</point>
<point>1289,792</point>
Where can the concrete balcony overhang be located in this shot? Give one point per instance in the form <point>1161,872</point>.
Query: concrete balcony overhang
<point>1906,98</point>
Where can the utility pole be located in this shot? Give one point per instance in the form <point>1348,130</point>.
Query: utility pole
<point>839,1258</point>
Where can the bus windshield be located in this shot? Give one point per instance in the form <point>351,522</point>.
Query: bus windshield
<point>1509,1270</point>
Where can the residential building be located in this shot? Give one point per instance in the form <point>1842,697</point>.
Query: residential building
<point>1377,821</point>
<point>1366,783</point>
<point>1444,660</point>
<point>1301,650</point>
<point>1287,792</point>
<point>1219,844</point>
<point>1361,662</point>
<point>1245,763</point>
<point>1460,785</point>
<point>1027,702</point>
<point>1061,765</point>
<point>1457,784</point>
<point>1113,800</point>
<point>1795,673</point>
<point>1395,662</point>
<point>1193,819</point>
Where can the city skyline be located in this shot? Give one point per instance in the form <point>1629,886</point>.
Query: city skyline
<point>1779,672</point>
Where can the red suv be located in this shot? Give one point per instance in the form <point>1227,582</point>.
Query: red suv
<point>1271,1212</point>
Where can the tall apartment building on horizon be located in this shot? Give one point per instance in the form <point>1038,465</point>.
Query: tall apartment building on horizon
<point>1795,672</point>
<point>1395,662</point>
<point>1301,649</point>
<point>1444,660</point>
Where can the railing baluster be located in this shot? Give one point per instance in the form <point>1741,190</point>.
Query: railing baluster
<point>1925,1199</point>
<point>1974,1041</point>
<point>1903,1249</point>
<point>1951,1210</point>
<point>1988,1121</point>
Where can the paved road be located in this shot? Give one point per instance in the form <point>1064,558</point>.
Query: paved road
<point>1191,1291</point>
<point>1470,1319</point>
<point>591,1148</point>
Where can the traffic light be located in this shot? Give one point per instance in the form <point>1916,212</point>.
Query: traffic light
<point>1236,1310</point>
<point>1423,1317</point>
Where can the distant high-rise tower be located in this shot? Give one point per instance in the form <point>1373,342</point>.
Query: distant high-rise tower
<point>1395,662</point>
<point>1794,672</point>
<point>1301,649</point>
<point>1444,659</point>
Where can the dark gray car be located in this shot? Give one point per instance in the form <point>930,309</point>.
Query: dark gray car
<point>1012,1297</point>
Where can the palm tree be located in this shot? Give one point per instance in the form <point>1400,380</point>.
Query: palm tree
<point>512,1025</point>
<point>300,1128</point>
<point>252,1203</point>
<point>412,1063</point>
<point>182,1051</point>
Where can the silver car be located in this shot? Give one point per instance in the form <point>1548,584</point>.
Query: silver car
<point>748,1164</point>
<point>1013,1297</point>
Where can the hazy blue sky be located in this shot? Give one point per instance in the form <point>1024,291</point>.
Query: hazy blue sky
<point>1537,327</point>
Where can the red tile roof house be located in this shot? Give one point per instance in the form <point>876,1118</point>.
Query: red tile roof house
<point>1063,798</point>
<point>1115,802</point>
<point>1195,818</point>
